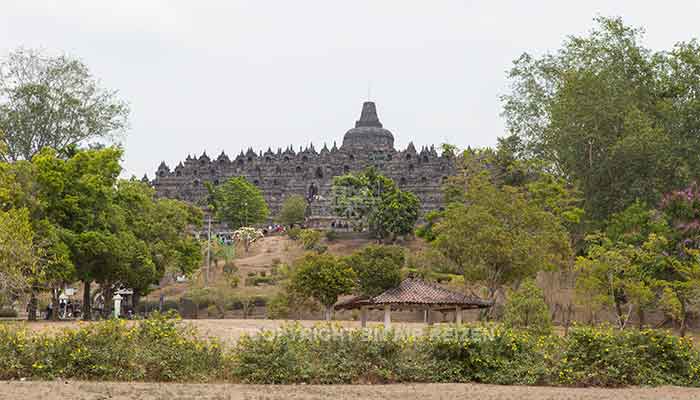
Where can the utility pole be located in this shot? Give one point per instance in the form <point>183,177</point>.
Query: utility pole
<point>206,275</point>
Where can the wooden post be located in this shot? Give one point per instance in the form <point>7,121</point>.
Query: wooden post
<point>458,315</point>
<point>363,316</point>
<point>429,316</point>
<point>387,316</point>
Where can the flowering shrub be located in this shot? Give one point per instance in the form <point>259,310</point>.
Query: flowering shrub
<point>605,357</point>
<point>323,354</point>
<point>161,349</point>
<point>158,349</point>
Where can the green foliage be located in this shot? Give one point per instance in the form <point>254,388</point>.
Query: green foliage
<point>525,308</point>
<point>604,102</point>
<point>310,238</point>
<point>293,210</point>
<point>238,202</point>
<point>163,349</point>
<point>8,313</point>
<point>53,102</point>
<point>602,357</point>
<point>279,306</point>
<point>680,262</point>
<point>497,235</point>
<point>294,233</point>
<point>157,349</point>
<point>370,200</point>
<point>331,235</point>
<point>18,258</point>
<point>322,277</point>
<point>377,267</point>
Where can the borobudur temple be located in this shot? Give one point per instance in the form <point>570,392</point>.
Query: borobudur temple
<point>310,172</point>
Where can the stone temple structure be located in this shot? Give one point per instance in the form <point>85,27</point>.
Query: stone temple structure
<point>309,172</point>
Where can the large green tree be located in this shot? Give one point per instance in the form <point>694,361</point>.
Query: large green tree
<point>322,277</point>
<point>293,210</point>
<point>498,236</point>
<point>373,201</point>
<point>679,274</point>
<point>53,101</point>
<point>610,115</point>
<point>116,232</point>
<point>377,267</point>
<point>18,258</point>
<point>238,203</point>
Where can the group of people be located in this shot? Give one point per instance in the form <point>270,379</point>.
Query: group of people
<point>66,309</point>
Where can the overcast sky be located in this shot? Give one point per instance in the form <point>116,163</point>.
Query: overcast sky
<point>228,75</point>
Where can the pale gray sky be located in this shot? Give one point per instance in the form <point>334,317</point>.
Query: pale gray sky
<point>212,75</point>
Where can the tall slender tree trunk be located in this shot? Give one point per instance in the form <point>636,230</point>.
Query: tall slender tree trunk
<point>641,316</point>
<point>87,301</point>
<point>107,294</point>
<point>33,303</point>
<point>56,304</point>
<point>684,319</point>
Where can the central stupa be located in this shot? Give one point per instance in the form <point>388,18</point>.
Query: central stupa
<point>368,133</point>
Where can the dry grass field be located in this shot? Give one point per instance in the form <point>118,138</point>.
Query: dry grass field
<point>155,391</point>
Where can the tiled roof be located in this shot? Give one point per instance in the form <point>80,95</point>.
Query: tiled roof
<point>418,292</point>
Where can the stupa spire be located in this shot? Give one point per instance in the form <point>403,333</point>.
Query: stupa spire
<point>368,117</point>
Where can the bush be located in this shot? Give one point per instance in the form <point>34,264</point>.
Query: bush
<point>162,349</point>
<point>526,309</point>
<point>309,238</point>
<point>489,355</point>
<point>157,349</point>
<point>293,233</point>
<point>259,280</point>
<point>325,354</point>
<point>331,235</point>
<point>8,313</point>
<point>149,306</point>
<point>605,357</point>
<point>278,307</point>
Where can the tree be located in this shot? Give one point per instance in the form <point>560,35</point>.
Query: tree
<point>53,102</point>
<point>18,258</point>
<point>116,233</point>
<point>293,210</point>
<point>680,270</point>
<point>247,235</point>
<point>377,267</point>
<point>238,203</point>
<point>604,103</point>
<point>615,274</point>
<point>497,236</point>
<point>322,277</point>
<point>370,200</point>
<point>309,238</point>
<point>526,308</point>
<point>395,215</point>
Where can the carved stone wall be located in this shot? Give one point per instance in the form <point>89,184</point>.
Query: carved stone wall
<point>283,173</point>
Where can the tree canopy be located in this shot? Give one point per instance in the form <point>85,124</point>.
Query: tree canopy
<point>497,235</point>
<point>238,203</point>
<point>322,277</point>
<point>377,267</point>
<point>90,226</point>
<point>373,201</point>
<point>608,113</point>
<point>293,210</point>
<point>54,102</point>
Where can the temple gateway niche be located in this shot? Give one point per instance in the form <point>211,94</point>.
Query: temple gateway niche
<point>310,173</point>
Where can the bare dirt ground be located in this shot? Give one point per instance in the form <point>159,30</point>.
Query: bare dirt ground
<point>226,330</point>
<point>157,391</point>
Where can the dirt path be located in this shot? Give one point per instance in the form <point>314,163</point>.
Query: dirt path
<point>156,391</point>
